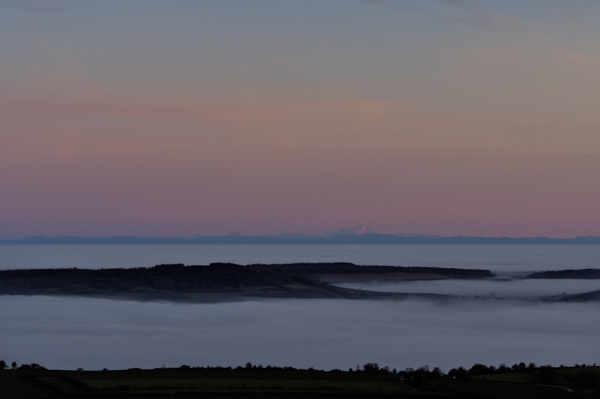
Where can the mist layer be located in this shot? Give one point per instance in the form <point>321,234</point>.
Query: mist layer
<point>97,333</point>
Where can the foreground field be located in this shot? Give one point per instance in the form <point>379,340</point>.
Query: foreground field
<point>279,383</point>
<point>194,383</point>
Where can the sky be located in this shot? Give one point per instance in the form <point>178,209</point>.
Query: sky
<point>183,117</point>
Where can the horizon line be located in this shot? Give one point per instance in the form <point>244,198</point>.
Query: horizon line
<point>291,236</point>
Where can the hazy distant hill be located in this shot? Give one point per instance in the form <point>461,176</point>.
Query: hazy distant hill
<point>356,235</point>
<point>358,230</point>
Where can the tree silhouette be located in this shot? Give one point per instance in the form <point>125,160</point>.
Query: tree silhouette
<point>371,367</point>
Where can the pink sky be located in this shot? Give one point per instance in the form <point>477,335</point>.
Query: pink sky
<point>488,131</point>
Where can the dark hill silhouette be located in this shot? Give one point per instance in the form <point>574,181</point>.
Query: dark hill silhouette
<point>315,269</point>
<point>179,281</point>
<point>588,274</point>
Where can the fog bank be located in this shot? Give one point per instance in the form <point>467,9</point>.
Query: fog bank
<point>498,288</point>
<point>499,258</point>
<point>97,333</point>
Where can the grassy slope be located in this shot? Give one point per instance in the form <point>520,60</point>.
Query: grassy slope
<point>214,383</point>
<point>194,383</point>
<point>15,384</point>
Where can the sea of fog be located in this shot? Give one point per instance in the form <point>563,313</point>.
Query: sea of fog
<point>60,332</point>
<point>68,333</point>
<point>499,288</point>
<point>498,258</point>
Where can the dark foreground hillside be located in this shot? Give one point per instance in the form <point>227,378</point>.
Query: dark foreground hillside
<point>258,382</point>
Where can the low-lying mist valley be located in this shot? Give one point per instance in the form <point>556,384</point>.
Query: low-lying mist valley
<point>61,332</point>
<point>442,320</point>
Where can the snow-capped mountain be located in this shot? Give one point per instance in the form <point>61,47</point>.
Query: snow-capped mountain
<point>354,231</point>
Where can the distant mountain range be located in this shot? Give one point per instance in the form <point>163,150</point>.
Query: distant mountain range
<point>356,235</point>
<point>358,231</point>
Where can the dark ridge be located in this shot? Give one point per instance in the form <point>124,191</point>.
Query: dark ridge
<point>589,274</point>
<point>173,278</point>
<point>180,282</point>
<point>351,268</point>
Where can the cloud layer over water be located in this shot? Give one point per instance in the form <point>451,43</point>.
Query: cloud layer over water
<point>96,333</point>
